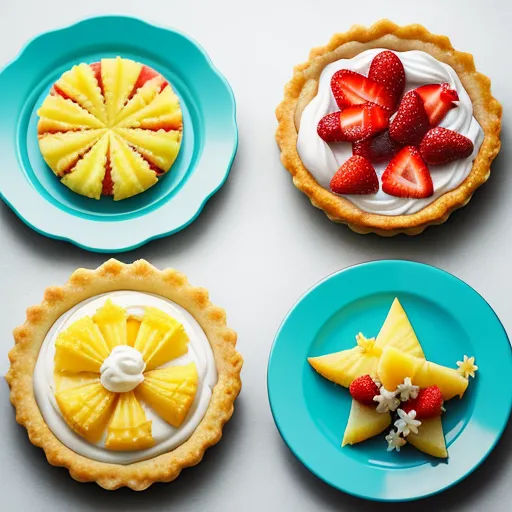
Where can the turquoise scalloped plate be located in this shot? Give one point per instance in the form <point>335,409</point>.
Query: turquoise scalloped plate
<point>209,145</point>
<point>450,318</point>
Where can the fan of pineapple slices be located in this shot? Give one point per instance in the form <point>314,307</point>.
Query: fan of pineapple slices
<point>90,409</point>
<point>110,128</point>
<point>389,359</point>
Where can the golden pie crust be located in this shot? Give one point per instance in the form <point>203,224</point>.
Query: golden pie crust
<point>302,89</point>
<point>111,276</point>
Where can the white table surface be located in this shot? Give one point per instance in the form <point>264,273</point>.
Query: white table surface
<point>258,245</point>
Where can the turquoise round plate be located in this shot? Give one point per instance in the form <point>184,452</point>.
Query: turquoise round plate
<point>449,317</point>
<point>209,145</point>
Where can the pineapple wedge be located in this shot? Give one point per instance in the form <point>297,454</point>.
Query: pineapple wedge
<point>160,338</point>
<point>132,330</point>
<point>87,409</point>
<point>170,392</point>
<point>111,320</point>
<point>364,422</point>
<point>430,438</point>
<point>128,428</point>
<point>395,365</point>
<point>80,348</point>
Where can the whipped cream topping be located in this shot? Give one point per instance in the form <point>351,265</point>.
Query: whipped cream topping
<point>123,365</point>
<point>322,160</point>
<point>122,370</point>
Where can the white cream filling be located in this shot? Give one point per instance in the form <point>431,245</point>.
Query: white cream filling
<point>166,437</point>
<point>322,160</point>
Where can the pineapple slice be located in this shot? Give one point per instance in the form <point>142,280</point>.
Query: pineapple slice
<point>395,365</point>
<point>364,422</point>
<point>131,174</point>
<point>163,112</point>
<point>58,114</point>
<point>66,380</point>
<point>80,85</point>
<point>430,438</point>
<point>160,148</point>
<point>397,332</point>
<point>111,320</point>
<point>132,330</point>
<point>128,428</point>
<point>62,150</point>
<point>80,348</point>
<point>160,339</point>
<point>87,409</point>
<point>86,178</point>
<point>119,77</point>
<point>170,392</point>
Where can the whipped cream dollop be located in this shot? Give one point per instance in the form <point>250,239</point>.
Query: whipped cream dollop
<point>122,370</point>
<point>322,160</point>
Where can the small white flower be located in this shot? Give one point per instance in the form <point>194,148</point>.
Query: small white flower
<point>467,368</point>
<point>407,422</point>
<point>407,390</point>
<point>387,400</point>
<point>395,442</point>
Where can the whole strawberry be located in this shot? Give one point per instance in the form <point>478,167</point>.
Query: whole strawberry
<point>428,404</point>
<point>355,176</point>
<point>363,389</point>
<point>411,122</point>
<point>387,69</point>
<point>440,146</point>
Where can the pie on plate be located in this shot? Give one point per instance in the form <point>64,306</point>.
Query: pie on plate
<point>388,129</point>
<point>125,375</point>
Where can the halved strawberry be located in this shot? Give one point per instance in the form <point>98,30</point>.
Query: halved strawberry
<point>411,121</point>
<point>407,175</point>
<point>380,148</point>
<point>353,123</point>
<point>428,403</point>
<point>355,176</point>
<point>350,88</point>
<point>440,146</point>
<point>387,69</point>
<point>438,99</point>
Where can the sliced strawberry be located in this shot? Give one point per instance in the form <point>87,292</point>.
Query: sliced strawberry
<point>440,146</point>
<point>363,389</point>
<point>380,148</point>
<point>438,99</point>
<point>428,403</point>
<point>411,121</point>
<point>355,176</point>
<point>350,88</point>
<point>407,175</point>
<point>387,69</point>
<point>329,128</point>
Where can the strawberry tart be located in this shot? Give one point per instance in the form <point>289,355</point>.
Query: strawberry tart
<point>388,129</point>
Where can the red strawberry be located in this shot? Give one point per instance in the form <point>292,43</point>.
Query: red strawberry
<point>355,176</point>
<point>353,123</point>
<point>363,389</point>
<point>351,88</point>
<point>428,404</point>
<point>438,99</point>
<point>407,175</point>
<point>387,69</point>
<point>380,148</point>
<point>441,145</point>
<point>411,121</point>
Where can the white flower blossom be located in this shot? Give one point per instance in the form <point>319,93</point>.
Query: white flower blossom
<point>407,422</point>
<point>387,400</point>
<point>407,390</point>
<point>395,442</point>
<point>467,368</point>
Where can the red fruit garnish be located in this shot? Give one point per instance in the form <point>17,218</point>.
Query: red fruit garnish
<point>146,74</point>
<point>350,88</point>
<point>407,175</point>
<point>428,404</point>
<point>355,176</point>
<point>108,184</point>
<point>387,69</point>
<point>380,148</point>
<point>329,128</point>
<point>96,69</point>
<point>438,99</point>
<point>411,121</point>
<point>363,389</point>
<point>440,146</point>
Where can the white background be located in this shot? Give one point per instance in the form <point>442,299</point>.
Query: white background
<point>258,245</point>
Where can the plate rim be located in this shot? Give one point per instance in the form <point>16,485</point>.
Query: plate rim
<point>382,499</point>
<point>87,243</point>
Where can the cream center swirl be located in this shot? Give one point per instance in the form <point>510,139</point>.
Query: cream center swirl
<point>122,370</point>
